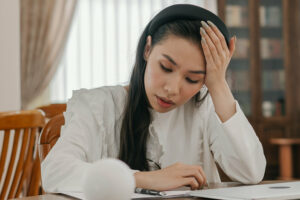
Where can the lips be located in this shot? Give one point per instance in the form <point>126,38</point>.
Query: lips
<point>166,100</point>
<point>163,102</point>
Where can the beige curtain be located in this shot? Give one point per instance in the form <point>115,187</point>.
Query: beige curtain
<point>44,28</point>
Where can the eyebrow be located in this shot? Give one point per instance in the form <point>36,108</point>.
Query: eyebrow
<point>191,71</point>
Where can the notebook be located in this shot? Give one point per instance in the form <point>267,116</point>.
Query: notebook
<point>286,190</point>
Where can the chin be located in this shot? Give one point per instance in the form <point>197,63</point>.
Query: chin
<point>162,110</point>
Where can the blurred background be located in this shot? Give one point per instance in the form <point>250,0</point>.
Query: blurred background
<point>48,48</point>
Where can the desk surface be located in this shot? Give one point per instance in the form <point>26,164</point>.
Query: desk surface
<point>64,197</point>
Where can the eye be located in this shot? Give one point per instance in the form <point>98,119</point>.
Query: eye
<point>191,81</point>
<point>165,69</point>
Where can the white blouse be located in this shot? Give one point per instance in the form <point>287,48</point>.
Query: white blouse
<point>189,134</point>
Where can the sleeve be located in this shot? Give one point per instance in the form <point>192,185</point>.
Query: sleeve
<point>65,165</point>
<point>235,147</point>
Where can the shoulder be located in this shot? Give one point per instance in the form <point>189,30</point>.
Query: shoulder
<point>108,100</point>
<point>101,93</point>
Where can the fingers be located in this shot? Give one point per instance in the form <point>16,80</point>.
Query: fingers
<point>191,181</point>
<point>209,49</point>
<point>191,175</point>
<point>232,43</point>
<point>215,36</point>
<point>202,174</point>
<point>216,43</point>
<point>194,171</point>
<point>219,35</point>
<point>208,56</point>
<point>196,174</point>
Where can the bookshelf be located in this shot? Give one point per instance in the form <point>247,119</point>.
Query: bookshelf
<point>264,73</point>
<point>271,51</point>
<point>237,20</point>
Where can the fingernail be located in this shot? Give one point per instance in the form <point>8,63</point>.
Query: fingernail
<point>206,184</point>
<point>210,23</point>
<point>202,31</point>
<point>204,24</point>
<point>203,40</point>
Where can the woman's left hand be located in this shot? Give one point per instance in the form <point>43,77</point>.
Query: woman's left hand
<point>217,54</point>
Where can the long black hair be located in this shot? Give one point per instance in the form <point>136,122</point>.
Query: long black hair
<point>137,118</point>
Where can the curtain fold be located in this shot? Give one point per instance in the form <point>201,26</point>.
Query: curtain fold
<point>44,28</point>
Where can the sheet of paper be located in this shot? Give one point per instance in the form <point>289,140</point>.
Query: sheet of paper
<point>169,194</point>
<point>286,190</point>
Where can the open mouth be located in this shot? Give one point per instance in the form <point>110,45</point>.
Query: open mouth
<point>164,102</point>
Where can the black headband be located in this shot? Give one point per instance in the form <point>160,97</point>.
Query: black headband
<point>189,12</point>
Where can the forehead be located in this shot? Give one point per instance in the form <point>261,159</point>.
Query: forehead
<point>184,52</point>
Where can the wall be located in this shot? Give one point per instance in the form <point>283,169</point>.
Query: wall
<point>10,94</point>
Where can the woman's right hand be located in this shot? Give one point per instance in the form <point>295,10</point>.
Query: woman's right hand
<point>171,177</point>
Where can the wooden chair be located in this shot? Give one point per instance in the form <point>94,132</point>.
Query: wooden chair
<point>50,112</point>
<point>53,109</point>
<point>50,135</point>
<point>18,150</point>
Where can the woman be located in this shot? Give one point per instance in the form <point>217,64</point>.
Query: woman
<point>164,125</point>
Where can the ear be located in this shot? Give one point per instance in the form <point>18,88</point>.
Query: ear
<point>147,49</point>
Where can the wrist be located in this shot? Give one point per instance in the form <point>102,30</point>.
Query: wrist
<point>223,100</point>
<point>218,86</point>
<point>142,179</point>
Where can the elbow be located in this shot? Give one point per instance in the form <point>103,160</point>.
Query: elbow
<point>256,167</point>
<point>256,172</point>
<point>254,178</point>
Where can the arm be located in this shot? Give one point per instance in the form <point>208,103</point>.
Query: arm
<point>232,139</point>
<point>236,147</point>
<point>65,165</point>
<point>223,101</point>
<point>217,56</point>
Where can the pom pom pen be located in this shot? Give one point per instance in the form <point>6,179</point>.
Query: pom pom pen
<point>150,192</point>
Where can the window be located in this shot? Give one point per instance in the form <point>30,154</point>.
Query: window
<point>101,46</point>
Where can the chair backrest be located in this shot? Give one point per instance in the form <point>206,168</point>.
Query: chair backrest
<point>50,135</point>
<point>20,131</point>
<point>52,110</point>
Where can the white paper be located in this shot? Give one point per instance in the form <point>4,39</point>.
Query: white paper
<point>276,191</point>
<point>169,194</point>
<point>286,190</point>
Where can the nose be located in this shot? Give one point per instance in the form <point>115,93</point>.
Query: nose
<point>172,87</point>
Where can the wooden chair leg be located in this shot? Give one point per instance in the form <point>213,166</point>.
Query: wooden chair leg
<point>286,163</point>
